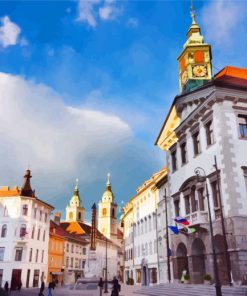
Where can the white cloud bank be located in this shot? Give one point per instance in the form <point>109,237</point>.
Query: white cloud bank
<point>38,128</point>
<point>220,20</point>
<point>10,33</point>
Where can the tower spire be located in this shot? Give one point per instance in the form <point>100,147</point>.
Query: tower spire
<point>192,13</point>
<point>26,189</point>
<point>108,183</point>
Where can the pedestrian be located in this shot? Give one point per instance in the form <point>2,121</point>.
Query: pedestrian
<point>6,287</point>
<point>100,284</point>
<point>116,287</point>
<point>42,288</point>
<point>19,287</point>
<point>50,288</point>
<point>184,272</point>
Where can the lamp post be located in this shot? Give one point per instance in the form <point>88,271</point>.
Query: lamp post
<point>201,175</point>
<point>227,255</point>
<point>106,285</point>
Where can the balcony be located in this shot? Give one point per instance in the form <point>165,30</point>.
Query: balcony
<point>198,217</point>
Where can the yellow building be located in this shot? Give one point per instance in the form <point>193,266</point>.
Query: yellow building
<point>56,253</point>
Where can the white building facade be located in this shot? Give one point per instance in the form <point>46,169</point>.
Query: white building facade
<point>24,236</point>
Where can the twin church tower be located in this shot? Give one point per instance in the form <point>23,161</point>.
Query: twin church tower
<point>107,212</point>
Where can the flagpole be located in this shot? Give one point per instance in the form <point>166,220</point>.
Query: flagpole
<point>167,242</point>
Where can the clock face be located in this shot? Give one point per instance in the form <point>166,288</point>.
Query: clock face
<point>200,71</point>
<point>184,77</point>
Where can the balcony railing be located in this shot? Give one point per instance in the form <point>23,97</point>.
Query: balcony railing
<point>198,217</point>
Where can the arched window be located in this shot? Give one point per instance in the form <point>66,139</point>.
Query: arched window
<point>70,215</point>
<point>113,213</point>
<point>79,216</point>
<point>104,211</point>
<point>4,230</point>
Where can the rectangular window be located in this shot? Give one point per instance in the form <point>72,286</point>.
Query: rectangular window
<point>38,236</point>
<point>72,248</point>
<point>196,143</point>
<point>33,230</point>
<point>42,256</point>
<point>242,121</point>
<point>46,217</point>
<point>18,254</point>
<point>174,160</point>
<point>30,255</point>
<point>187,204</point>
<point>200,195</point>
<point>2,249</point>
<point>34,213</point>
<point>183,153</point>
<point>150,223</point>
<point>71,262</point>
<point>67,247</point>
<point>84,251</point>
<point>209,133</point>
<point>177,208</point>
<point>37,255</point>
<point>83,263</point>
<point>44,236</point>
<point>24,210</point>
<point>215,194</point>
<point>67,262</point>
<point>1,277</point>
<point>5,212</point>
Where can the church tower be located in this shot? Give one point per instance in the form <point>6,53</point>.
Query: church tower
<point>74,210</point>
<point>107,222</point>
<point>195,66</point>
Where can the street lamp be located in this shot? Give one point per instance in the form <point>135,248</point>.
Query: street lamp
<point>201,176</point>
<point>106,285</point>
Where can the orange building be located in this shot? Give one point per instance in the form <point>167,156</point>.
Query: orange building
<point>56,253</point>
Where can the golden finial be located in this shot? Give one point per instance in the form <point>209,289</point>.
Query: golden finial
<point>76,183</point>
<point>192,12</point>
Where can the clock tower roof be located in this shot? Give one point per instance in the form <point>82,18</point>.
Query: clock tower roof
<point>75,199</point>
<point>108,195</point>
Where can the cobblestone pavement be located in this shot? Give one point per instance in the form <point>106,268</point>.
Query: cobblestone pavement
<point>64,291</point>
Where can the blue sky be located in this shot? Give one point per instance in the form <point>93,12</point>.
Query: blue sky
<point>86,86</point>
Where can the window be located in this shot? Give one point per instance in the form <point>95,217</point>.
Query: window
<point>24,210</point>
<point>113,213</point>
<point>146,224</point>
<point>215,194</point>
<point>46,217</point>
<point>174,160</point>
<point>44,236</point>
<point>42,256</point>
<point>1,277</point>
<point>30,255</point>
<point>141,226</point>
<point>196,143</point>
<point>150,248</point>
<point>83,263</point>
<point>146,249</point>
<point>33,230</point>
<point>177,208</point>
<point>2,249</point>
<point>37,255</point>
<point>67,262</point>
<point>71,262</point>
<point>38,236</point>
<point>187,204</point>
<point>150,223</point>
<point>35,213</point>
<point>194,203</point>
<point>104,212</point>
<point>245,176</point>
<point>18,254</point>
<point>242,121</point>
<point>79,216</point>
<point>209,133</point>
<point>40,215</point>
<point>4,230</point>
<point>67,247</point>
<point>72,248</point>
<point>201,199</point>
<point>183,153</point>
<point>23,231</point>
<point>5,212</point>
<point>84,251</point>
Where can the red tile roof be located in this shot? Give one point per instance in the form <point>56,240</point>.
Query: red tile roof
<point>233,76</point>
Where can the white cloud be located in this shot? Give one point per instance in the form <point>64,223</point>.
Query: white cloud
<point>91,11</point>
<point>132,22</point>
<point>9,32</point>
<point>220,19</point>
<point>59,141</point>
<point>86,12</point>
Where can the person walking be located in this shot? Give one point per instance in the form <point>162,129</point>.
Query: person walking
<point>115,288</point>
<point>50,287</point>
<point>6,287</point>
<point>100,284</point>
<point>42,288</point>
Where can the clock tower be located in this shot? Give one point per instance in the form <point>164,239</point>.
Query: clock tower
<point>195,66</point>
<point>107,222</point>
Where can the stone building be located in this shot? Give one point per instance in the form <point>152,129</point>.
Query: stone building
<point>24,236</point>
<point>207,119</point>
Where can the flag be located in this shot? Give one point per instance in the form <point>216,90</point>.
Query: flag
<point>191,230</point>
<point>174,229</point>
<point>182,221</point>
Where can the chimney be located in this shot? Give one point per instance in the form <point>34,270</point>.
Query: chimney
<point>57,217</point>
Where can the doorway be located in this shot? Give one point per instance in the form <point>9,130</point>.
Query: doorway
<point>15,279</point>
